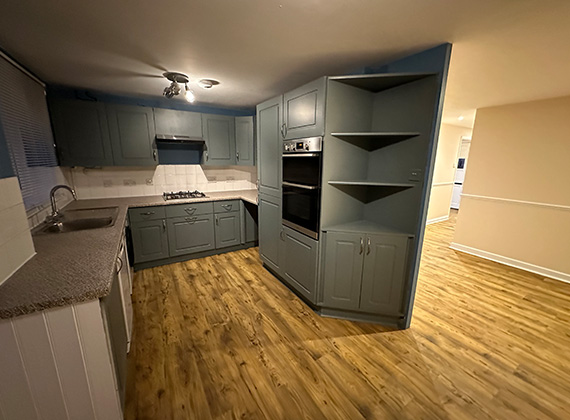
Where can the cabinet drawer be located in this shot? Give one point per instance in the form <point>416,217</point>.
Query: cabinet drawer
<point>226,206</point>
<point>189,209</point>
<point>146,213</point>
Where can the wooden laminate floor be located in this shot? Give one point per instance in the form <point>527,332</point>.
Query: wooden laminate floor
<point>220,338</point>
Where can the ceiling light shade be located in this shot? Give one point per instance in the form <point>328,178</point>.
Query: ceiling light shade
<point>461,118</point>
<point>189,95</point>
<point>208,83</point>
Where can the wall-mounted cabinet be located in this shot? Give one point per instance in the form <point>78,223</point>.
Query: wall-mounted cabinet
<point>245,141</point>
<point>92,133</point>
<point>269,146</point>
<point>220,137</point>
<point>132,135</point>
<point>304,110</point>
<point>81,132</point>
<point>170,122</point>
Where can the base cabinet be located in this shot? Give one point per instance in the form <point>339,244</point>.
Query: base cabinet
<point>271,243</point>
<point>300,263</point>
<point>228,229</point>
<point>365,273</point>
<point>150,240</point>
<point>187,235</point>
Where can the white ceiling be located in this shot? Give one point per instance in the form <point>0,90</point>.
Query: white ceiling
<point>504,51</point>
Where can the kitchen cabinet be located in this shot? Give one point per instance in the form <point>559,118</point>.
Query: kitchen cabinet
<point>178,123</point>
<point>271,240</point>
<point>300,263</point>
<point>245,149</point>
<point>132,133</point>
<point>150,240</point>
<point>81,132</point>
<point>304,111</point>
<point>219,134</point>
<point>228,231</point>
<point>365,272</point>
<point>269,146</point>
<point>190,234</point>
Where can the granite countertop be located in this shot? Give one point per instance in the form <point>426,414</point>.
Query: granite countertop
<point>79,266</point>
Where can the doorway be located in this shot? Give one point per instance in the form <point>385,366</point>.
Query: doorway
<point>460,168</point>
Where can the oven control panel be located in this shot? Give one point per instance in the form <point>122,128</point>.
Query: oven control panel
<point>311,144</point>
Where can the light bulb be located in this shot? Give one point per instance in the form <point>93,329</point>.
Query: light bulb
<point>461,118</point>
<point>189,95</point>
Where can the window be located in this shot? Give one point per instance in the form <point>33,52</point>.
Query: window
<point>25,121</point>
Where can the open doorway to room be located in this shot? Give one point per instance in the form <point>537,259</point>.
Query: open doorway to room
<point>460,169</point>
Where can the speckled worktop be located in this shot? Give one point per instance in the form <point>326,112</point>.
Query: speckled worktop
<point>78,266</point>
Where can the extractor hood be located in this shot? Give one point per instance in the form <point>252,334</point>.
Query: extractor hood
<point>179,139</point>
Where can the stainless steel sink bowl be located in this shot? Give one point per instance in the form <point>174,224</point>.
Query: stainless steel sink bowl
<point>80,219</point>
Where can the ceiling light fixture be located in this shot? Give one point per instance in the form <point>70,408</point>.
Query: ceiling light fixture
<point>174,88</point>
<point>461,118</point>
<point>189,95</point>
<point>208,83</point>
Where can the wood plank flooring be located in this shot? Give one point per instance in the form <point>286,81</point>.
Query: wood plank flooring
<point>220,338</point>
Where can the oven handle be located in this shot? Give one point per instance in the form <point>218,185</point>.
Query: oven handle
<point>306,187</point>
<point>300,154</point>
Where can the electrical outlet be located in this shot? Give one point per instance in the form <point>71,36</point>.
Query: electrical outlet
<point>415,175</point>
<point>149,181</point>
<point>107,182</point>
<point>129,182</point>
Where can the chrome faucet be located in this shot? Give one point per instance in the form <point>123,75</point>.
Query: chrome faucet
<point>54,210</point>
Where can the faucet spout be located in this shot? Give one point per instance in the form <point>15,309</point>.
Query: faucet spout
<point>54,210</point>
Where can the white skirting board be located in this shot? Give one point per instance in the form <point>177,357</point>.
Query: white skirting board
<point>543,271</point>
<point>437,220</point>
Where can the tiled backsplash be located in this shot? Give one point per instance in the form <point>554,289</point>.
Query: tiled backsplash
<point>129,182</point>
<point>16,246</point>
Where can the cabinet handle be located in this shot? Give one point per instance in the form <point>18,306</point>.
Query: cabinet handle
<point>190,210</point>
<point>285,126</point>
<point>281,235</point>
<point>284,130</point>
<point>120,265</point>
<point>190,219</point>
<point>154,155</point>
<point>368,246</point>
<point>217,221</point>
<point>361,246</point>
<point>207,157</point>
<point>164,225</point>
<point>147,213</point>
<point>227,206</point>
<point>237,155</point>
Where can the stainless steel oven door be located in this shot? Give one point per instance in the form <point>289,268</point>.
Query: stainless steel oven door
<point>301,208</point>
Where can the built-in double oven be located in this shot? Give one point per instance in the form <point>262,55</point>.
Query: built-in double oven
<point>302,164</point>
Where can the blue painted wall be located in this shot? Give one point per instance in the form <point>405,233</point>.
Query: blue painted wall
<point>157,101</point>
<point>6,169</point>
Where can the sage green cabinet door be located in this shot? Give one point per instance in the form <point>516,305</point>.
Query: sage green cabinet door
<point>269,146</point>
<point>250,212</point>
<point>228,232</point>
<point>384,274</point>
<point>344,253</point>
<point>304,110</point>
<point>178,123</point>
<point>271,242</point>
<point>150,240</point>
<point>187,235</point>
<point>219,134</point>
<point>132,135</point>
<point>81,133</point>
<point>300,263</point>
<point>244,141</point>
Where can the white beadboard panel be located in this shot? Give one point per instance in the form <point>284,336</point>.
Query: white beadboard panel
<point>70,363</point>
<point>15,393</point>
<point>98,361</point>
<point>36,349</point>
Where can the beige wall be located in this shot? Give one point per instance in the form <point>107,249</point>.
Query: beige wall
<point>518,173</point>
<point>444,171</point>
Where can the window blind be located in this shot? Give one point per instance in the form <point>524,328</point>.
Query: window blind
<point>25,121</point>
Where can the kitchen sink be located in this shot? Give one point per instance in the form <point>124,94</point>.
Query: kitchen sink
<point>80,219</point>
